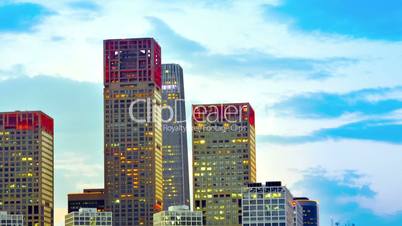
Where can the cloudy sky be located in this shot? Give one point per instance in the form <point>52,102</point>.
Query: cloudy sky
<point>325,79</point>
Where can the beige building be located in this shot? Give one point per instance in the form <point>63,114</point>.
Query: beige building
<point>26,163</point>
<point>133,130</point>
<point>224,160</point>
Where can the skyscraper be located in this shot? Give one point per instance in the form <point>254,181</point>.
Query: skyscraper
<point>224,160</point>
<point>26,166</point>
<point>270,205</point>
<point>310,211</point>
<point>133,130</point>
<point>175,153</point>
<point>90,198</point>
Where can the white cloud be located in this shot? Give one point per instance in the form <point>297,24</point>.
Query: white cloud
<point>72,165</point>
<point>274,124</point>
<point>240,27</point>
<point>391,95</point>
<point>73,173</point>
<point>378,162</point>
<point>83,184</point>
<point>14,72</point>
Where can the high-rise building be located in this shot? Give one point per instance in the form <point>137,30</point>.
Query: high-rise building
<point>89,198</point>
<point>224,160</point>
<point>175,153</point>
<point>270,205</point>
<point>88,217</point>
<point>11,220</point>
<point>310,211</point>
<point>26,166</point>
<point>178,215</point>
<point>133,130</point>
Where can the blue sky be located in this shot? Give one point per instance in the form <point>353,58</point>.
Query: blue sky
<point>334,105</point>
<point>358,18</point>
<point>21,17</point>
<point>333,191</point>
<point>323,76</point>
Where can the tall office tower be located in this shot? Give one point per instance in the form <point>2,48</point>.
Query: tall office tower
<point>26,166</point>
<point>11,220</point>
<point>224,160</point>
<point>88,217</point>
<point>270,205</point>
<point>133,130</point>
<point>310,211</point>
<point>90,198</point>
<point>175,153</point>
<point>178,215</point>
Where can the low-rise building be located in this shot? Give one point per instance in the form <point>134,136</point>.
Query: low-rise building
<point>89,198</point>
<point>178,215</point>
<point>310,211</point>
<point>270,205</point>
<point>88,217</point>
<point>11,219</point>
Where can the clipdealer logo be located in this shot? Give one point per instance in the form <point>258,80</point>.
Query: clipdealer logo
<point>219,117</point>
<point>172,119</point>
<point>169,113</point>
<point>214,113</point>
<point>214,117</point>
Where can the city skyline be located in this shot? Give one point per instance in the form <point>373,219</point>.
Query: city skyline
<point>140,104</point>
<point>324,95</point>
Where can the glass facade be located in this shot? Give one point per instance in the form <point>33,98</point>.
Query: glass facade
<point>310,211</point>
<point>175,152</point>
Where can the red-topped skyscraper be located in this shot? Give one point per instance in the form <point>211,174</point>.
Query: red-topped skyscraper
<point>26,166</point>
<point>224,160</point>
<point>133,130</point>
